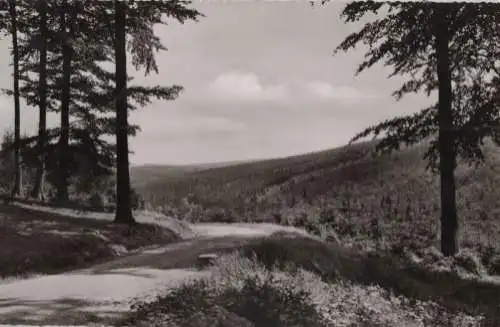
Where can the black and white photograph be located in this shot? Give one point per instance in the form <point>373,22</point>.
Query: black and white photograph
<point>249,163</point>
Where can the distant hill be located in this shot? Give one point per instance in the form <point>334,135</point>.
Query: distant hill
<point>231,185</point>
<point>143,175</point>
<point>346,186</point>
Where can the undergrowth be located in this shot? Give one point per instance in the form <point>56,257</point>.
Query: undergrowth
<point>243,292</point>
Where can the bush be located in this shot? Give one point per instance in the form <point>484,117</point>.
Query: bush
<point>222,216</point>
<point>7,167</point>
<point>298,252</point>
<point>266,304</point>
<point>258,302</point>
<point>136,200</point>
<point>96,202</point>
<point>240,292</point>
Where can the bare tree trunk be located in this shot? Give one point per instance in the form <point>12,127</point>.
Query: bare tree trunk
<point>123,205</point>
<point>42,123</point>
<point>447,152</point>
<point>42,87</point>
<point>16,190</point>
<point>62,187</point>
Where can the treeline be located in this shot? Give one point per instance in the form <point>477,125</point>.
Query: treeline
<point>63,53</point>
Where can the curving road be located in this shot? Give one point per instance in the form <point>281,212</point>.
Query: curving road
<point>107,290</point>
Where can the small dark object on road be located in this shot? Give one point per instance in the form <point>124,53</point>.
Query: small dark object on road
<point>205,260</point>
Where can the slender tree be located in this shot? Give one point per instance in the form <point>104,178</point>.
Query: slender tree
<point>66,38</point>
<point>90,98</point>
<point>446,143</point>
<point>123,205</point>
<point>437,46</point>
<point>9,14</point>
<point>136,19</point>
<point>17,111</point>
<point>42,8</point>
<point>91,105</point>
<point>74,54</point>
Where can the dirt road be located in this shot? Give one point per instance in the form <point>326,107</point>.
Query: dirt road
<point>105,291</point>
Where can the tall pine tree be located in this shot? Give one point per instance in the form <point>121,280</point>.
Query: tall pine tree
<point>17,110</point>
<point>123,207</point>
<point>438,46</point>
<point>42,9</point>
<point>138,18</point>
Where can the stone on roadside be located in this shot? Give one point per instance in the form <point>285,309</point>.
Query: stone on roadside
<point>205,259</point>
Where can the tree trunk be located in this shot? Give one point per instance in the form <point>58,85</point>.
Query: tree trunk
<point>42,90</point>
<point>62,187</point>
<point>16,190</point>
<point>447,152</point>
<point>123,208</point>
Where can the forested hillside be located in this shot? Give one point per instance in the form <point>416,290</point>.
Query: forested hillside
<point>348,187</point>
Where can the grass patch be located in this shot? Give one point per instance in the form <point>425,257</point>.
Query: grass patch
<point>35,242</point>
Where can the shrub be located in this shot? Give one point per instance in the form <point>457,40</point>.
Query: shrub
<point>257,302</point>
<point>222,216</point>
<point>298,252</point>
<point>240,292</point>
<point>265,303</point>
<point>494,266</point>
<point>136,200</point>
<point>96,201</point>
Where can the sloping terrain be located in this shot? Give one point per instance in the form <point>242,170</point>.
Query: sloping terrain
<point>275,292</point>
<point>36,240</point>
<point>241,186</point>
<point>105,292</point>
<point>369,200</point>
<point>102,292</point>
<point>388,202</point>
<point>145,174</point>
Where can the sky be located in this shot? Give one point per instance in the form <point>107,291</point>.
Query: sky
<point>260,81</point>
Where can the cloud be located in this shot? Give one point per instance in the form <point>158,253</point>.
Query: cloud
<point>166,123</point>
<point>344,94</point>
<point>246,87</point>
<point>204,125</point>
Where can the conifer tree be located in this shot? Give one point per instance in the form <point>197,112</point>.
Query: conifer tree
<point>42,8</point>
<point>138,18</point>
<point>451,48</point>
<point>17,110</point>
